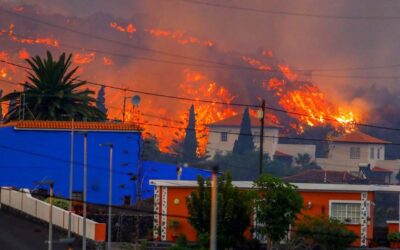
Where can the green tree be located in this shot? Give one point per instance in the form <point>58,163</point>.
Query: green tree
<point>234,210</point>
<point>244,143</point>
<point>277,207</point>
<point>304,162</point>
<point>326,233</point>
<point>51,92</point>
<point>101,101</point>
<point>189,150</point>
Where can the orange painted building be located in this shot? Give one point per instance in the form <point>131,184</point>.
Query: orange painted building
<point>351,204</point>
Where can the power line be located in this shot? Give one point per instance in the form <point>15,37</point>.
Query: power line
<point>287,13</point>
<point>210,64</point>
<point>217,102</point>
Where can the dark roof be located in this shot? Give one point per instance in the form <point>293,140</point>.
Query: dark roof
<point>358,137</point>
<point>66,125</point>
<point>236,121</point>
<point>322,176</point>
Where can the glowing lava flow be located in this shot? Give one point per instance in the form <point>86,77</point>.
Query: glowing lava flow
<point>40,40</point>
<point>180,37</point>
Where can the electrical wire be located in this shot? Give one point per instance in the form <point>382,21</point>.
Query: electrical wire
<point>287,13</point>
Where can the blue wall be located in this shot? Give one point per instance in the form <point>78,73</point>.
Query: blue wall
<point>28,156</point>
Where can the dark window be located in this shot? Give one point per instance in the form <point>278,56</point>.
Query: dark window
<point>77,196</point>
<point>224,136</point>
<point>127,200</point>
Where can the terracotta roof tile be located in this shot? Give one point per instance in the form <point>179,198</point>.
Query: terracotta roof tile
<point>359,137</point>
<point>381,170</point>
<point>66,125</point>
<point>236,121</point>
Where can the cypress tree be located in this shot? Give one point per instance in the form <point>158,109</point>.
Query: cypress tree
<point>101,101</point>
<point>1,110</point>
<point>190,142</point>
<point>244,143</point>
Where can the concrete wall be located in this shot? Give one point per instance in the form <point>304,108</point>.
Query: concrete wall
<point>24,202</point>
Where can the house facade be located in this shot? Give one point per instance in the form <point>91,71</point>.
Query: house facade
<point>349,151</point>
<point>350,204</point>
<point>226,132</point>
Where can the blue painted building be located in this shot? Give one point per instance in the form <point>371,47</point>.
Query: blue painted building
<point>32,151</point>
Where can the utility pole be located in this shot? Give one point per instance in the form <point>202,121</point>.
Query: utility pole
<point>261,116</point>
<point>51,216</point>
<point>124,108</point>
<point>214,208</point>
<point>71,174</point>
<point>84,190</point>
<point>109,195</point>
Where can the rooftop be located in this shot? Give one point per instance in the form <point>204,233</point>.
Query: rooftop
<point>312,187</point>
<point>358,137</point>
<point>282,154</point>
<point>381,170</point>
<point>66,125</point>
<point>322,176</point>
<point>236,121</point>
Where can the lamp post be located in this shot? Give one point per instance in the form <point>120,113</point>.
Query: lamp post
<point>84,190</point>
<point>110,145</point>
<point>51,184</point>
<point>214,207</point>
<point>261,115</point>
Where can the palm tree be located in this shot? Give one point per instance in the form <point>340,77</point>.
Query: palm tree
<point>52,92</point>
<point>305,163</point>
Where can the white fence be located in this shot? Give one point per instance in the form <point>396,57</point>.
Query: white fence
<point>23,201</point>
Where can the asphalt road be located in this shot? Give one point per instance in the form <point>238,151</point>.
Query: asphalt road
<point>20,233</point>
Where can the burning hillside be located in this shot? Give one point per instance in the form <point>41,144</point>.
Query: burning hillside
<point>200,71</point>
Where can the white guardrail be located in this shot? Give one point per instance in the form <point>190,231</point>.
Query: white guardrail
<point>23,201</point>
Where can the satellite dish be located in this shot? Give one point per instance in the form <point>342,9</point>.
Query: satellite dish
<point>135,100</point>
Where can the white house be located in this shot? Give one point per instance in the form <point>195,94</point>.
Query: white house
<point>226,132</point>
<point>349,151</point>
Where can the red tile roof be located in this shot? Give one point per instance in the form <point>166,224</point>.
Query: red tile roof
<point>381,170</point>
<point>282,154</point>
<point>66,125</point>
<point>322,176</point>
<point>359,137</point>
<point>236,121</point>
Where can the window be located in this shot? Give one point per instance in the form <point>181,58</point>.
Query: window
<point>378,153</point>
<point>355,153</point>
<point>127,200</point>
<point>372,153</point>
<point>348,213</point>
<point>224,136</point>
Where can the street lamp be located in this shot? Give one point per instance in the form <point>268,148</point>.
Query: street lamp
<point>260,116</point>
<point>110,145</point>
<point>84,190</point>
<point>51,184</point>
<point>71,174</point>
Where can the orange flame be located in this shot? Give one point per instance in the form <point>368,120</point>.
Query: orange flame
<point>180,37</point>
<point>84,58</point>
<point>23,54</point>
<point>130,28</point>
<point>39,40</point>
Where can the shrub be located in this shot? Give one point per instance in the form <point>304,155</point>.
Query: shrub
<point>325,232</point>
<point>394,237</point>
<point>61,203</point>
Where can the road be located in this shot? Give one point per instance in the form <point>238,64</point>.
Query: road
<point>20,233</point>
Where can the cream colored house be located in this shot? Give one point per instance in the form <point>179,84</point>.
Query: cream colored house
<point>226,132</point>
<point>349,151</point>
